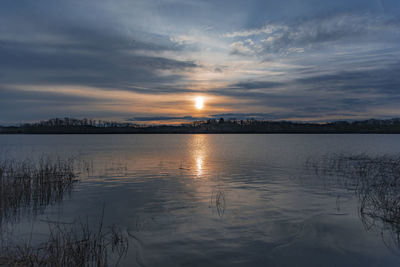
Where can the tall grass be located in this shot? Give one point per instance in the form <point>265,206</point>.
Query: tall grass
<point>70,245</point>
<point>376,182</point>
<point>30,185</point>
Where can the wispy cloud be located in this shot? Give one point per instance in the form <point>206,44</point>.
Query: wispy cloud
<point>268,29</point>
<point>147,59</point>
<point>317,32</point>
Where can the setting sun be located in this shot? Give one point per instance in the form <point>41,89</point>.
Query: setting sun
<point>199,102</point>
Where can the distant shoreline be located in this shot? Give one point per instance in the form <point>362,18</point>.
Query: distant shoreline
<point>123,131</point>
<point>212,126</point>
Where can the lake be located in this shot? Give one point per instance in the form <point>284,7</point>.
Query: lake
<point>225,200</point>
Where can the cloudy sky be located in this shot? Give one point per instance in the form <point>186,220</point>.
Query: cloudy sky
<point>146,60</point>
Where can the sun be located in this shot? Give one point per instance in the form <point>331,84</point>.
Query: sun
<point>199,102</point>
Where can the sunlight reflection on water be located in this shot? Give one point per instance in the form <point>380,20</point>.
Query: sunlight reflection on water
<point>199,149</point>
<point>219,199</point>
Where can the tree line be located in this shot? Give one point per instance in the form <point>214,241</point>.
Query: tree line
<point>71,125</point>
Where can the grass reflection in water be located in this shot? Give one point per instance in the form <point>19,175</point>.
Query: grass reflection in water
<point>376,182</point>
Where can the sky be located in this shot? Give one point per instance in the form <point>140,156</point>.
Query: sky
<point>145,61</point>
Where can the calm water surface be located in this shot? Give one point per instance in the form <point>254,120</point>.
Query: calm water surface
<point>217,200</point>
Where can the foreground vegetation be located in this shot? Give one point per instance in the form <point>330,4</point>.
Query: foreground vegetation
<point>29,186</point>
<point>376,182</point>
<point>76,244</point>
<point>26,188</point>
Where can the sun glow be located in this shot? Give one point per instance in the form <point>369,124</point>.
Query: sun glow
<point>199,102</point>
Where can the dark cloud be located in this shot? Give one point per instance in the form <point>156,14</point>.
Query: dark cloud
<point>236,116</point>
<point>76,55</point>
<point>11,96</point>
<point>257,84</point>
<point>20,106</point>
<point>245,116</point>
<point>233,116</point>
<point>384,81</point>
<point>165,118</point>
<point>352,91</point>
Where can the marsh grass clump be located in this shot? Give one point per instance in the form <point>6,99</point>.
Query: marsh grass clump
<point>30,185</point>
<point>75,244</point>
<point>376,183</point>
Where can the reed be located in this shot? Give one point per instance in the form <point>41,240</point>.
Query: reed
<point>31,185</point>
<point>28,187</point>
<point>375,181</point>
<point>76,244</point>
